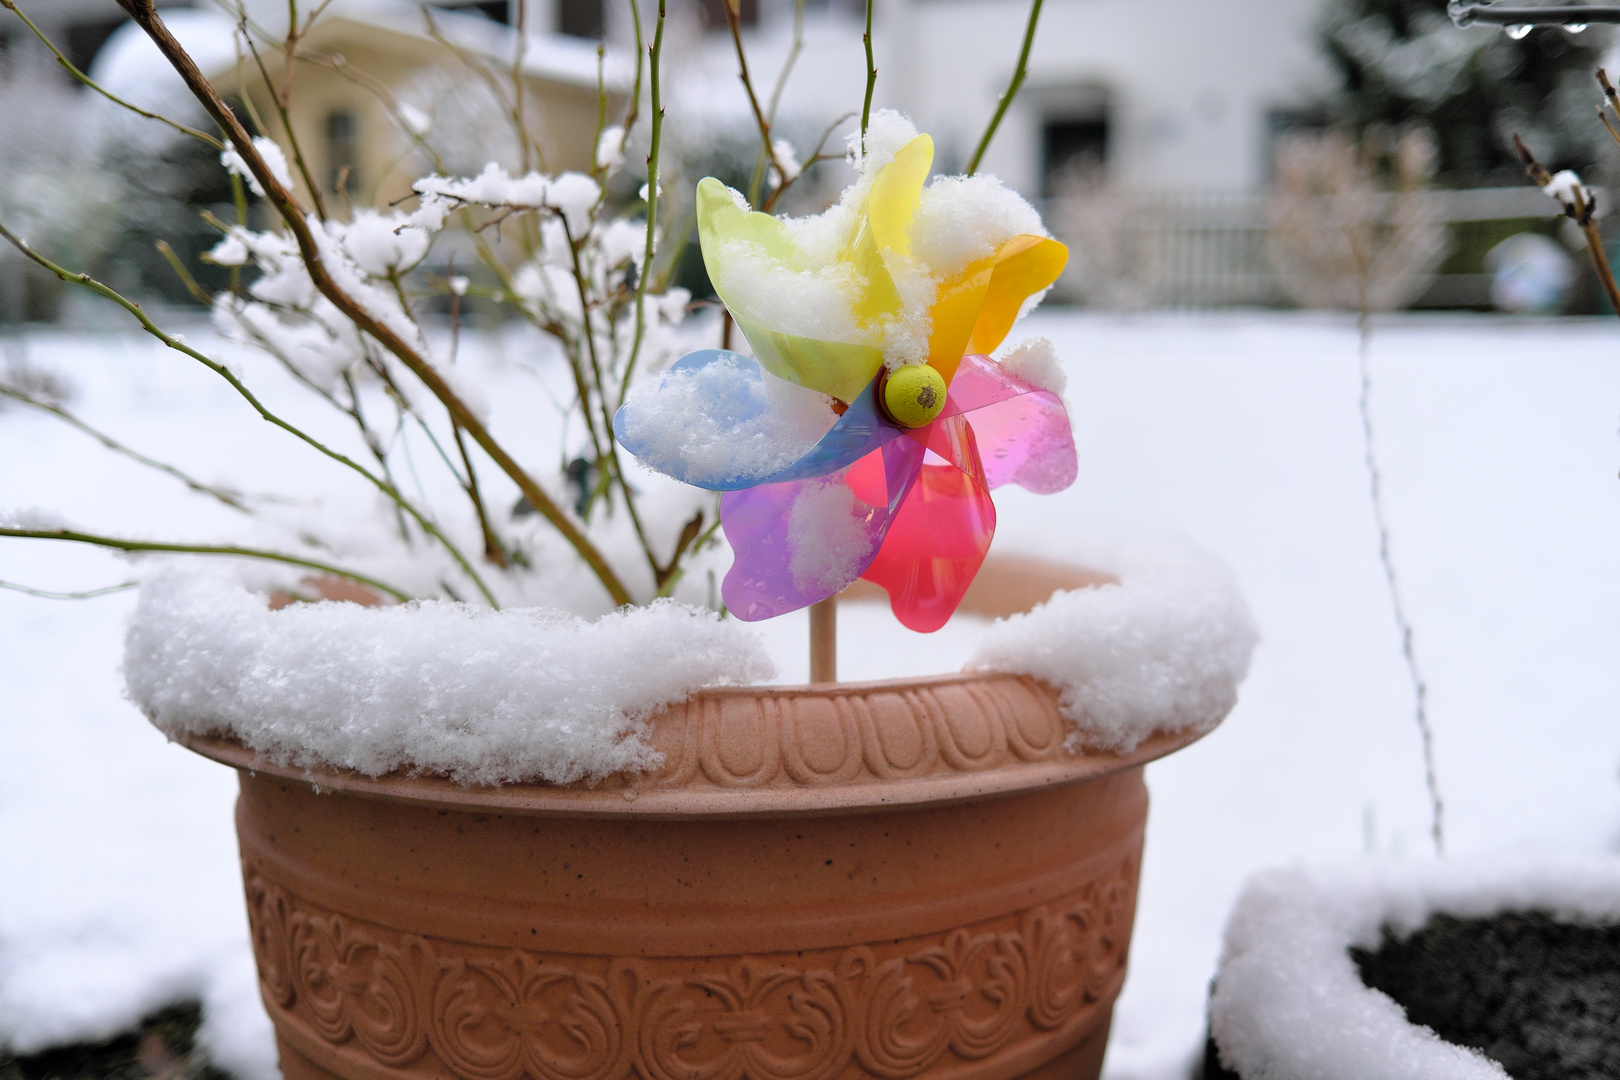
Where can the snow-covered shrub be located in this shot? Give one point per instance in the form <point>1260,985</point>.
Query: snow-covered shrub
<point>1339,238</point>
<point>53,190</point>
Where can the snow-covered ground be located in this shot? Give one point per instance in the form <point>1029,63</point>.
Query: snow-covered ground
<point>1498,440</point>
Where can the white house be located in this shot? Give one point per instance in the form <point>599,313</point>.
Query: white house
<point>1164,94</point>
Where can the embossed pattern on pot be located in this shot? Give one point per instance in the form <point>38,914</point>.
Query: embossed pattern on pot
<point>824,737</point>
<point>990,1000</point>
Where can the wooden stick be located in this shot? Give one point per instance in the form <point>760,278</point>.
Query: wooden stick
<point>824,640</point>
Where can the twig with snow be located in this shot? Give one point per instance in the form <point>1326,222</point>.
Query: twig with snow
<point>387,488</point>
<point>1579,203</point>
<point>146,16</point>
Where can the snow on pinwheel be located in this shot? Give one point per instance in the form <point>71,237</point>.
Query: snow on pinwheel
<point>863,438</point>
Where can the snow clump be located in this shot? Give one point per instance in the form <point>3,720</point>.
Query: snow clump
<point>1564,186</point>
<point>484,697</point>
<point>1164,650</point>
<point>1036,362</point>
<point>1288,1000</point>
<point>274,159</point>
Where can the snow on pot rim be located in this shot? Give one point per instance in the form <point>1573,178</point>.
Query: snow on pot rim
<point>1288,1000</point>
<point>1148,661</point>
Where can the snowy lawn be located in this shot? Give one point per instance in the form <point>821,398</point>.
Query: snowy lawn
<point>1499,447</point>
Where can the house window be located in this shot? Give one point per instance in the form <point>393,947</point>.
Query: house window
<point>342,151</point>
<point>1071,146</point>
<point>581,18</point>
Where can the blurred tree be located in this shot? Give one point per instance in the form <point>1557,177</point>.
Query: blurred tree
<point>1403,60</point>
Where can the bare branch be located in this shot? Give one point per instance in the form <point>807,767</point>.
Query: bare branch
<point>1012,88</point>
<point>47,594</point>
<point>145,14</point>
<point>11,5</point>
<point>220,494</point>
<point>136,546</point>
<point>388,489</point>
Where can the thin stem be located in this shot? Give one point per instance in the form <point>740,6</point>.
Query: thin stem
<point>824,640</point>
<point>11,6</point>
<point>117,447</point>
<point>519,50</point>
<point>633,110</point>
<point>493,552</point>
<point>818,156</point>
<point>88,282</point>
<point>1420,690</point>
<point>146,16</point>
<point>1012,88</point>
<point>88,594</point>
<point>598,168</point>
<point>734,21</point>
<point>1600,262</point>
<point>198,293</point>
<point>653,56</point>
<point>1580,205</point>
<point>871,75</point>
<point>792,58</point>
<point>607,416</point>
<point>286,119</point>
<point>76,537</point>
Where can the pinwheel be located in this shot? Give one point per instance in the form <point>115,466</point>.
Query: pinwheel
<point>897,489</point>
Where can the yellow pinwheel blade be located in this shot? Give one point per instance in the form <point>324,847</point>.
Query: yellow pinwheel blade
<point>956,310</point>
<point>1024,266</point>
<point>885,221</point>
<point>830,367</point>
<point>896,191</point>
<point>720,219</point>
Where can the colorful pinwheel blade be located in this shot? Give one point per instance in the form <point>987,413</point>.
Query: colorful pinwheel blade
<point>1023,432</point>
<point>938,539</point>
<point>800,541</point>
<point>741,405</point>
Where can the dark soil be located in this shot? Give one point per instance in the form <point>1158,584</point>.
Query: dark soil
<point>1539,996</point>
<point>163,1048</point>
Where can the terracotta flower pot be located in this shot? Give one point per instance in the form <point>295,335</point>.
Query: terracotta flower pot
<point>899,879</point>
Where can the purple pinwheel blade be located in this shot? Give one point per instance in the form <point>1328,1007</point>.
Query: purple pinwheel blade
<point>800,541</point>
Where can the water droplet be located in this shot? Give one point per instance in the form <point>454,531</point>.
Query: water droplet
<point>1519,32</point>
<point>1575,27</point>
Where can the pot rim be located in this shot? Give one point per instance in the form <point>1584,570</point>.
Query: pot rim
<point>635,796</point>
<point>797,750</point>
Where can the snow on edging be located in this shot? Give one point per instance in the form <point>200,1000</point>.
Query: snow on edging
<point>483,697</point>
<point>1289,1002</point>
<point>1164,650</point>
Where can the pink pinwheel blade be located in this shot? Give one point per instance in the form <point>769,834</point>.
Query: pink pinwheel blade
<point>935,547</point>
<point>941,533</point>
<point>1023,431</point>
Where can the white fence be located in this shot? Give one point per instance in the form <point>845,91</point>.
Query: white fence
<point>1208,249</point>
